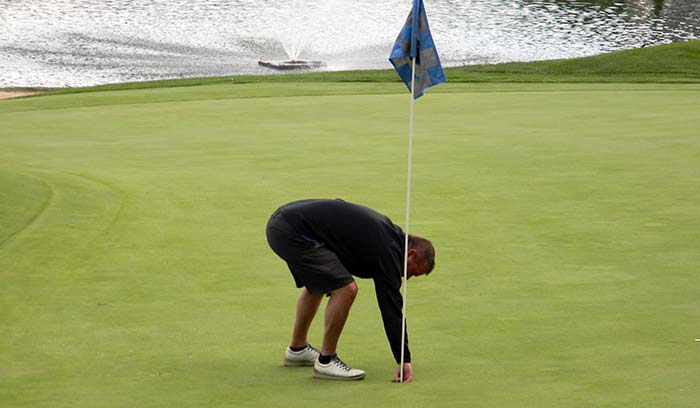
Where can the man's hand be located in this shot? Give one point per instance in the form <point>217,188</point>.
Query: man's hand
<point>407,373</point>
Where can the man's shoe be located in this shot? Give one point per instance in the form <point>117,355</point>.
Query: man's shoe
<point>337,370</point>
<point>304,358</point>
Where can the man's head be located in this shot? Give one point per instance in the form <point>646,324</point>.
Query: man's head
<point>421,256</point>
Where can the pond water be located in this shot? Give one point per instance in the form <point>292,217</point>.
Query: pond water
<point>58,43</point>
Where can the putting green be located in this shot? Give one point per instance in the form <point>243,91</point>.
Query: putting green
<point>135,270</point>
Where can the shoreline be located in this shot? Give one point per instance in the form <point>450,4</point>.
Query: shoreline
<point>15,94</point>
<point>665,63</point>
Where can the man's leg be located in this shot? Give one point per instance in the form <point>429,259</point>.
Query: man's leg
<point>307,305</point>
<point>328,364</point>
<point>337,312</point>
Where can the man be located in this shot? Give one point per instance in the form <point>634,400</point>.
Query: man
<point>327,242</point>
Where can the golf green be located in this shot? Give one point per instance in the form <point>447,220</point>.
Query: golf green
<point>135,271</point>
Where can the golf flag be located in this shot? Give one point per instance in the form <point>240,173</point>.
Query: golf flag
<point>415,41</point>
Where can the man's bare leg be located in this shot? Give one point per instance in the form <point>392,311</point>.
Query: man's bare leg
<point>336,314</point>
<point>328,365</point>
<point>307,305</point>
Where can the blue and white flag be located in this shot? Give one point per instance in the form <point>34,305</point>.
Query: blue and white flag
<point>415,41</point>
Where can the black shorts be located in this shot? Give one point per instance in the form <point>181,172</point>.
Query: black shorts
<point>312,264</point>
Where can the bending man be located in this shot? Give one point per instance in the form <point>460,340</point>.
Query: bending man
<point>327,242</point>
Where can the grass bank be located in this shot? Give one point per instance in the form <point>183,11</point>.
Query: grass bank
<point>670,63</point>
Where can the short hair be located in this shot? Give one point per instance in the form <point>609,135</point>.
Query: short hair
<point>425,248</point>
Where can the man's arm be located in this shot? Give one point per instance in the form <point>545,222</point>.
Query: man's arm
<point>390,304</point>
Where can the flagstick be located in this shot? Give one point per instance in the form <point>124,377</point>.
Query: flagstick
<point>408,213</point>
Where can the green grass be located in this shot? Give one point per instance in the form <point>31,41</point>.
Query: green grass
<point>135,270</point>
<point>679,62</point>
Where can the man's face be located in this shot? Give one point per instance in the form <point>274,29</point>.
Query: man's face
<point>416,265</point>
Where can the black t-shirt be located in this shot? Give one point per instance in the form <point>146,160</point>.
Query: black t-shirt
<point>368,244</point>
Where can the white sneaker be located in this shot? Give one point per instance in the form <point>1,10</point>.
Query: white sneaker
<point>304,358</point>
<point>337,370</point>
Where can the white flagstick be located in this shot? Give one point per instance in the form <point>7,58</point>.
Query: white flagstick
<point>408,214</point>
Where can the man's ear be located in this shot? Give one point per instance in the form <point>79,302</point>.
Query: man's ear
<point>411,252</point>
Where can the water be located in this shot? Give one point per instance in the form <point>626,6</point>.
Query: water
<point>57,43</point>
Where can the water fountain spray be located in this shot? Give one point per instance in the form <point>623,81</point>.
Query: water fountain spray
<point>293,40</point>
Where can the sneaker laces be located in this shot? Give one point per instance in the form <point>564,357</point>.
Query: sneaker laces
<point>340,364</point>
<point>308,347</point>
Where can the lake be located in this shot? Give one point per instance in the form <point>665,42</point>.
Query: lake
<point>61,43</point>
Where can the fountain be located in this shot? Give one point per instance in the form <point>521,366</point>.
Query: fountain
<point>293,41</point>
<point>291,64</point>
